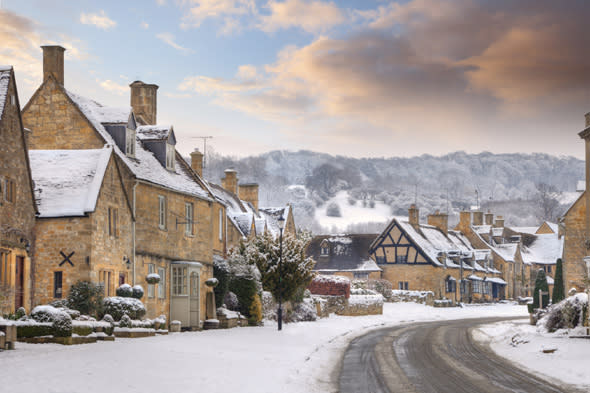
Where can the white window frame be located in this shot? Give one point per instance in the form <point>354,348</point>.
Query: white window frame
<point>129,142</point>
<point>189,213</point>
<point>151,287</point>
<point>170,153</point>
<point>162,283</point>
<point>162,212</point>
<point>179,281</point>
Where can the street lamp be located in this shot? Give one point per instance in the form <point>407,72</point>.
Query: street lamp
<point>587,261</point>
<point>281,222</point>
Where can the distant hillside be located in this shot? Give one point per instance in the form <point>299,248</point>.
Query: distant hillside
<point>448,183</point>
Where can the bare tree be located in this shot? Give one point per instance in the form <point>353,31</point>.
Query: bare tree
<point>547,199</point>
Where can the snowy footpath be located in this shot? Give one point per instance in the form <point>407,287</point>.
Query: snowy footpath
<point>518,341</point>
<point>299,359</point>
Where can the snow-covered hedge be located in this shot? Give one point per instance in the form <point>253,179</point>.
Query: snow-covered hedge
<point>330,286</point>
<point>567,314</point>
<point>118,306</point>
<point>137,292</point>
<point>125,290</point>
<point>61,322</point>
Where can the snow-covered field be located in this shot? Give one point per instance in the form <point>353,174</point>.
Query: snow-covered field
<point>523,344</point>
<point>301,358</point>
<point>352,214</point>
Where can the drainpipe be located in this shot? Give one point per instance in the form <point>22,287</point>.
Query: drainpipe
<point>133,230</point>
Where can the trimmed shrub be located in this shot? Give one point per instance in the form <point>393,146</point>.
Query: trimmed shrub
<point>82,330</point>
<point>125,290</point>
<point>255,311</point>
<point>46,314</point>
<point>60,303</point>
<point>62,326</point>
<point>20,312</point>
<point>137,292</point>
<point>231,301</point>
<point>246,290</point>
<point>85,297</point>
<point>558,286</point>
<point>303,312</point>
<point>541,284</point>
<point>125,322</point>
<point>118,306</point>
<point>567,314</point>
<point>381,286</point>
<point>34,330</point>
<point>108,318</point>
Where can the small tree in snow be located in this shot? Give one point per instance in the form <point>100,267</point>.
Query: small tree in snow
<point>295,271</point>
<point>558,286</point>
<point>333,210</point>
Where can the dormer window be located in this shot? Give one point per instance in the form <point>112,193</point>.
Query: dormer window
<point>170,156</point>
<point>324,250</point>
<point>130,142</point>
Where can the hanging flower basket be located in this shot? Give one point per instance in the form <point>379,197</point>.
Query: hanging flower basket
<point>212,282</point>
<point>153,278</point>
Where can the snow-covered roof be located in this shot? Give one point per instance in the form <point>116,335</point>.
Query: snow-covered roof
<point>529,230</point>
<point>550,281</point>
<point>482,229</point>
<point>581,186</point>
<point>497,231</point>
<point>68,182</point>
<point>145,166</point>
<point>5,72</point>
<point>496,280</point>
<point>154,132</point>
<point>272,215</point>
<point>545,249</point>
<point>507,251</point>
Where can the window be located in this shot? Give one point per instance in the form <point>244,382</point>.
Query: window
<point>450,284</point>
<point>486,287</point>
<point>113,217</point>
<point>162,212</point>
<point>130,142</point>
<point>170,156</point>
<point>548,268</point>
<point>463,287</point>
<point>362,276</point>
<point>2,268</point>
<point>402,285</point>
<point>151,287</point>
<point>380,259</point>
<point>179,281</point>
<point>4,261</point>
<point>104,278</point>
<point>9,190</point>
<point>476,286</point>
<point>325,250</point>
<point>401,259</point>
<point>162,283</point>
<point>220,224</point>
<point>188,218</point>
<point>57,284</point>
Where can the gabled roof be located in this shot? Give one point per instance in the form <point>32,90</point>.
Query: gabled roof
<point>272,215</point>
<point>347,253</point>
<point>545,249</point>
<point>145,166</point>
<point>68,182</point>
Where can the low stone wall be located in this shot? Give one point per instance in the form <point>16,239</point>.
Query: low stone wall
<point>326,305</point>
<point>422,297</point>
<point>359,305</point>
<point>330,286</point>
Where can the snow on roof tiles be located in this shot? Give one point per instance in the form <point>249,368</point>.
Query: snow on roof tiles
<point>154,132</point>
<point>545,249</point>
<point>67,182</point>
<point>5,72</point>
<point>145,166</point>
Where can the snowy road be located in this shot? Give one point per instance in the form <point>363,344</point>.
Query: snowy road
<point>434,357</point>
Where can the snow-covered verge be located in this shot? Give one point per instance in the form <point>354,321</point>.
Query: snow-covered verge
<point>300,358</point>
<point>523,344</point>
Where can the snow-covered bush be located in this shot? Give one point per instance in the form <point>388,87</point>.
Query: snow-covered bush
<point>60,303</point>
<point>125,290</point>
<point>304,311</point>
<point>333,210</point>
<point>221,273</point>
<point>72,313</point>
<point>231,301</point>
<point>60,320</point>
<point>381,286</point>
<point>567,314</point>
<point>108,318</point>
<point>20,312</point>
<point>118,306</point>
<point>255,311</point>
<point>137,292</point>
<point>62,326</point>
<point>85,297</point>
<point>269,306</point>
<point>125,322</point>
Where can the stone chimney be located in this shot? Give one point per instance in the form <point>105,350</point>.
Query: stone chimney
<point>587,119</point>
<point>499,222</point>
<point>53,62</point>
<point>249,193</point>
<point>414,215</point>
<point>230,181</point>
<point>489,218</point>
<point>197,162</point>
<point>439,220</point>
<point>144,101</point>
<point>477,218</point>
<point>464,221</point>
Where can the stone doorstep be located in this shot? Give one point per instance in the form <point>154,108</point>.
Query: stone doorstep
<point>133,334</point>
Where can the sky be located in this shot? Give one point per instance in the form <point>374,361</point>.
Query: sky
<point>356,78</point>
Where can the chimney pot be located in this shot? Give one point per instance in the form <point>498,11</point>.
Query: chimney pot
<point>249,193</point>
<point>587,119</point>
<point>489,218</point>
<point>439,220</point>
<point>478,218</point>
<point>230,181</point>
<point>414,215</point>
<point>53,62</point>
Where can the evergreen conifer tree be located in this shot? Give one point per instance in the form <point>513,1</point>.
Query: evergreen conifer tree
<point>541,283</point>
<point>558,286</point>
